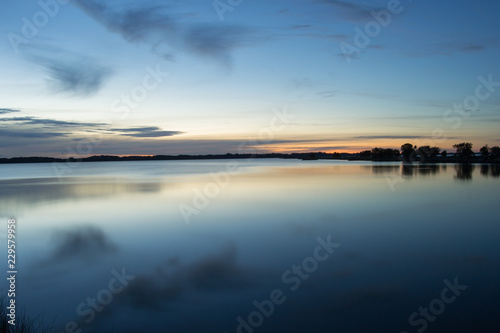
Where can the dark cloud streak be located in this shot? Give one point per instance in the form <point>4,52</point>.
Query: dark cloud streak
<point>154,26</point>
<point>29,134</point>
<point>67,72</point>
<point>48,122</point>
<point>391,137</point>
<point>214,42</point>
<point>449,48</point>
<point>351,11</point>
<point>84,78</point>
<point>6,110</point>
<point>145,132</point>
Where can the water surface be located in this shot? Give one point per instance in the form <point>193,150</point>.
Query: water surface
<point>206,250</point>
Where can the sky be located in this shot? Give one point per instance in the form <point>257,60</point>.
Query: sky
<point>92,77</point>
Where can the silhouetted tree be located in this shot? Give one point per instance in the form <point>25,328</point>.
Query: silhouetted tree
<point>444,153</point>
<point>427,152</point>
<point>485,151</point>
<point>365,154</point>
<point>464,149</point>
<point>495,152</point>
<point>407,150</point>
<point>384,154</point>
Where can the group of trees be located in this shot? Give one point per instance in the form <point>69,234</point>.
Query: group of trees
<point>380,154</point>
<point>410,152</point>
<point>490,152</point>
<point>424,153</point>
<point>463,150</point>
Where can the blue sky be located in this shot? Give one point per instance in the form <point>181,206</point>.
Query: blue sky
<point>192,77</point>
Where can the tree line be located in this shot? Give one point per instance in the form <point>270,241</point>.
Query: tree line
<point>409,153</point>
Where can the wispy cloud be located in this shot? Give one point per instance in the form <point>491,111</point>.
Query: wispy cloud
<point>79,78</point>
<point>300,26</point>
<point>48,122</point>
<point>145,132</point>
<point>67,72</point>
<point>165,30</point>
<point>5,110</point>
<point>391,137</point>
<point>41,128</point>
<point>334,93</point>
<point>351,11</point>
<point>215,42</point>
<point>146,24</point>
<point>461,47</point>
<point>29,134</point>
<point>449,48</point>
<point>44,128</point>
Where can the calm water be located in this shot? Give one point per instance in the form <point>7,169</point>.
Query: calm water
<point>276,246</point>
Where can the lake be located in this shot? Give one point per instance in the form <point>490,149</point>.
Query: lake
<point>248,246</point>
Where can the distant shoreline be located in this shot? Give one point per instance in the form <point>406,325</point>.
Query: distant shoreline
<point>299,156</point>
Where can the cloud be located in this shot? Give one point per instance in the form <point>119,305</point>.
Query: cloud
<point>461,47</point>
<point>5,110</point>
<point>473,48</point>
<point>67,72</point>
<point>48,122</point>
<point>392,137</point>
<point>215,42</point>
<point>146,24</point>
<point>155,134</point>
<point>29,127</point>
<point>81,77</point>
<point>337,37</point>
<point>126,145</point>
<point>83,243</point>
<point>448,48</point>
<point>300,26</point>
<point>137,129</point>
<point>163,30</point>
<point>351,11</point>
<point>146,132</point>
<point>333,93</point>
<point>30,134</point>
<point>316,149</point>
<point>376,46</point>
